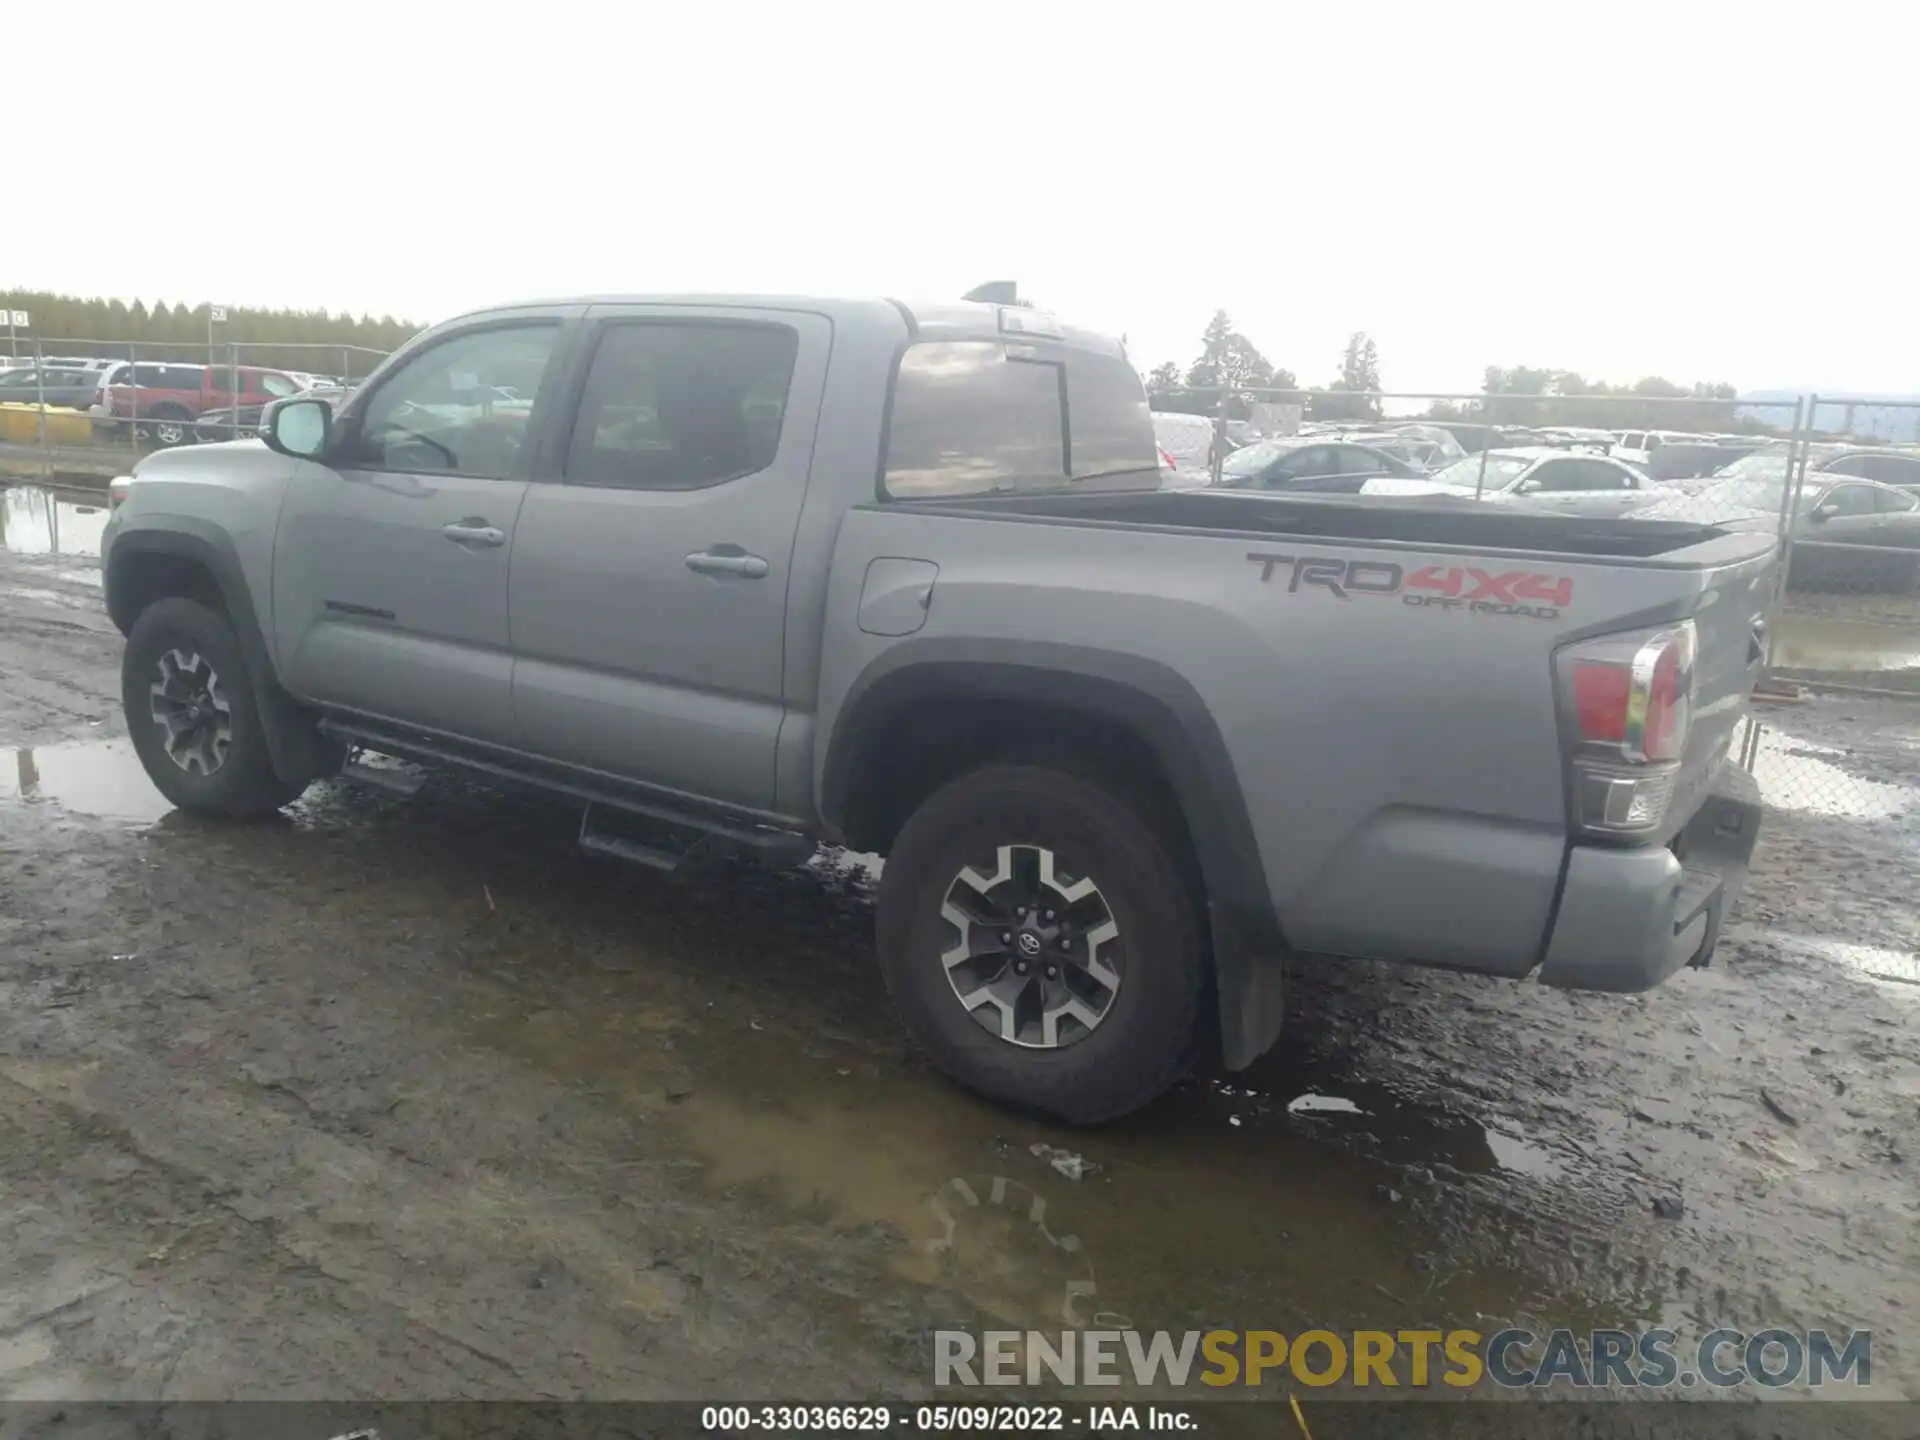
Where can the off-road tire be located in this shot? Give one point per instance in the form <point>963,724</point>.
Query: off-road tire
<point>244,784</point>
<point>1141,1045</point>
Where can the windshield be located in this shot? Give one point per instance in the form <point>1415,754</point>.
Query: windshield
<point>1254,458</point>
<point>1465,474</point>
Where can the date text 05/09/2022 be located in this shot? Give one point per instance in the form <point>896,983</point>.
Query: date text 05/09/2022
<point>1063,1419</point>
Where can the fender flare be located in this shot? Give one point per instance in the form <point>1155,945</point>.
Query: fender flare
<point>297,750</point>
<point>1163,709</point>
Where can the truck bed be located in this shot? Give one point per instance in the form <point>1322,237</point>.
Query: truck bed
<point>1389,520</point>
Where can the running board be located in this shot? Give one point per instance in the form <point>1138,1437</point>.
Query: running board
<point>623,848</point>
<point>714,830</point>
<point>382,777</point>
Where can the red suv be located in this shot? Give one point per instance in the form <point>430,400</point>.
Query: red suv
<point>163,399</point>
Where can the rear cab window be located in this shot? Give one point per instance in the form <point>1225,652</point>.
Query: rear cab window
<point>1010,416</point>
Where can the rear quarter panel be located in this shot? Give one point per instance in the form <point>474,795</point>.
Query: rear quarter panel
<point>1400,759</point>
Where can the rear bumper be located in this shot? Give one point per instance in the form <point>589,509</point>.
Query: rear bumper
<point>1629,918</point>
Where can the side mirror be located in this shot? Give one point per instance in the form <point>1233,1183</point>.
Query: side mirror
<point>298,427</point>
<point>1827,511</point>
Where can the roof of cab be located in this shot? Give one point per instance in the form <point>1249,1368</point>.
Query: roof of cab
<point>935,320</point>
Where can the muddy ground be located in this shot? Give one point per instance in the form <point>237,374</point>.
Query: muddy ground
<point>406,1098</point>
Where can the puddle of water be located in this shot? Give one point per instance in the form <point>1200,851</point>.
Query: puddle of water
<point>1875,961</point>
<point>1522,1157</point>
<point>38,521</point>
<point>1819,642</point>
<point>102,778</point>
<point>1316,1104</point>
<point>1397,1130</point>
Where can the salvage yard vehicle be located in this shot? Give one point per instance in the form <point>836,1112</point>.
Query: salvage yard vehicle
<point>900,578</point>
<point>1534,476</point>
<point>1316,463</point>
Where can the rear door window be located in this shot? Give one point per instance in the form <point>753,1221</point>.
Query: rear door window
<point>682,405</point>
<point>1894,502</point>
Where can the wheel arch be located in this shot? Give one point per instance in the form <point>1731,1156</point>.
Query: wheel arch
<point>193,559</point>
<point>962,703</point>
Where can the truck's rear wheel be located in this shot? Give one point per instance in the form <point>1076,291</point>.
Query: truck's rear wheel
<point>1037,935</point>
<point>190,710</point>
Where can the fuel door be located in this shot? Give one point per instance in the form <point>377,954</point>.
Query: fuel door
<point>896,596</point>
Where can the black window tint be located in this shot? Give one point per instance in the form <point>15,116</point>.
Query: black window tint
<point>968,418</point>
<point>1848,465</point>
<point>1851,499</point>
<point>460,407</point>
<point>678,405</point>
<point>1358,460</point>
<point>1894,502</point>
<point>1556,476</point>
<point>1112,429</point>
<point>1305,463</point>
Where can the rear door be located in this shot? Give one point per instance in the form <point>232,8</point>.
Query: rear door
<point>390,561</point>
<point>651,563</point>
<point>1899,518</point>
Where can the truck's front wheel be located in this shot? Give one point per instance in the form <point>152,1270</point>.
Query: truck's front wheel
<point>1038,937</point>
<point>190,710</point>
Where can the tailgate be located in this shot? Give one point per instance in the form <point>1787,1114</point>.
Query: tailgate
<point>1731,624</point>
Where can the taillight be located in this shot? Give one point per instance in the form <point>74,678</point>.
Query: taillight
<point>1629,701</point>
<point>117,492</point>
<point>1166,461</point>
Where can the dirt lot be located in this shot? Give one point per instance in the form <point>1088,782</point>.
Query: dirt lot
<point>406,1098</point>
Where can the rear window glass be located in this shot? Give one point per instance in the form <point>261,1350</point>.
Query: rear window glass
<point>980,417</point>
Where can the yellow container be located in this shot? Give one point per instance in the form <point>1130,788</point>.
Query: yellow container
<point>44,425</point>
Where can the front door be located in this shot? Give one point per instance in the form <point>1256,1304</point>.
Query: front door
<point>650,572</point>
<point>390,561</point>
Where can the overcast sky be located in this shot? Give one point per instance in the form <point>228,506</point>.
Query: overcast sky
<point>1705,191</point>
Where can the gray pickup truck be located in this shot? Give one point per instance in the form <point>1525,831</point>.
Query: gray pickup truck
<point>754,573</point>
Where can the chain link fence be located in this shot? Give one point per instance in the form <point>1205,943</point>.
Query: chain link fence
<point>81,411</point>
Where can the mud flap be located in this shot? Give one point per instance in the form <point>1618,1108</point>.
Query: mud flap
<point>296,747</point>
<point>1251,981</point>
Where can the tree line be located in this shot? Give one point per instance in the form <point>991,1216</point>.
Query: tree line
<point>70,322</point>
<point>1518,395</point>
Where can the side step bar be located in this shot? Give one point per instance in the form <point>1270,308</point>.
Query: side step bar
<point>713,831</point>
<point>383,777</point>
<point>623,848</point>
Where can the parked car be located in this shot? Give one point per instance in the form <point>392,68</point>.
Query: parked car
<point>1189,442</point>
<point>1848,534</point>
<point>163,398</point>
<point>1422,454</point>
<point>1473,438</point>
<point>242,422</point>
<point>1123,750</point>
<point>1537,477</point>
<point>1637,447</point>
<point>1889,467</point>
<point>70,389</point>
<point>1310,463</point>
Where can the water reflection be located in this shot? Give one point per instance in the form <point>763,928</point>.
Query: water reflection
<point>102,778</point>
<point>36,521</point>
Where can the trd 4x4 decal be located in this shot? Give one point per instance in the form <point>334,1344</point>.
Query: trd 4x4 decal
<point>1445,587</point>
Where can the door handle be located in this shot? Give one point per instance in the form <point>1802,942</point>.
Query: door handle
<point>474,532</point>
<point>727,560</point>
